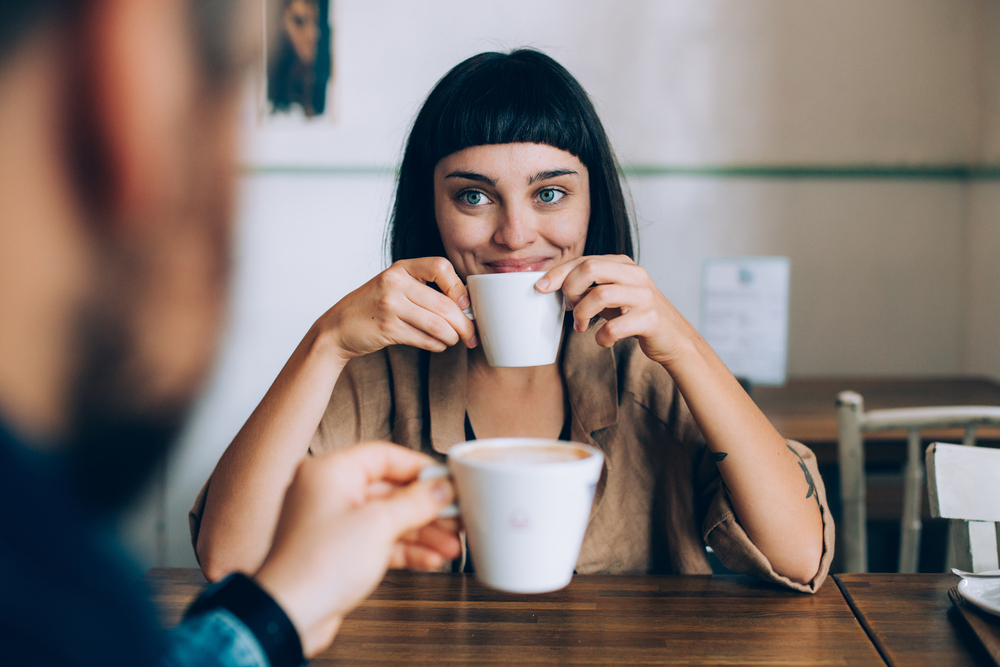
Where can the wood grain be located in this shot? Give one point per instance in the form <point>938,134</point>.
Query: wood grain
<point>911,619</point>
<point>420,618</point>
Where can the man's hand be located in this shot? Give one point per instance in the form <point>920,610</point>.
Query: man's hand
<point>346,518</point>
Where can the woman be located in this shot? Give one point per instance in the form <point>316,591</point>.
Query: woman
<point>507,168</point>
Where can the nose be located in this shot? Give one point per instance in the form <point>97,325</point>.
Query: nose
<point>516,227</point>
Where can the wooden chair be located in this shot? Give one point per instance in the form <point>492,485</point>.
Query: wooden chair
<point>963,484</point>
<point>853,421</point>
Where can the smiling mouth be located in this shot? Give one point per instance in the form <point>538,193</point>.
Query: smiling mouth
<point>517,265</point>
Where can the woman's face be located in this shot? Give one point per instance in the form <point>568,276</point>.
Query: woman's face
<point>511,207</point>
<point>302,25</point>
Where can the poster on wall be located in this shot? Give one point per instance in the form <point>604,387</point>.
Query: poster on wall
<point>294,86</point>
<point>290,112</point>
<point>299,58</point>
<point>744,315</point>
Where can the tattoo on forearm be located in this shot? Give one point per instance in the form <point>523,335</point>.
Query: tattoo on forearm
<point>718,456</point>
<point>805,471</point>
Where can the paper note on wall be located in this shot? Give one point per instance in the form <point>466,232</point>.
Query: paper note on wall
<point>744,315</point>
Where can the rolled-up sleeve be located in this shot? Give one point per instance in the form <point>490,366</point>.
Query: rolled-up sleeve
<point>215,639</point>
<point>722,531</point>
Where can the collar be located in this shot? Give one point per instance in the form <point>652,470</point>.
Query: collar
<point>591,381</point>
<point>446,375</point>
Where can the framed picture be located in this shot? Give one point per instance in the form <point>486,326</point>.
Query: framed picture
<point>298,63</point>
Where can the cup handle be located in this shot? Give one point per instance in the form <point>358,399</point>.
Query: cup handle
<point>469,313</point>
<point>434,472</point>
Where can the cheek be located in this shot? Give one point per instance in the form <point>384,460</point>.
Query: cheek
<point>570,232</point>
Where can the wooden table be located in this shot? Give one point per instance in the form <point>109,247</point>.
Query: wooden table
<point>419,618</point>
<point>911,620</point>
<point>805,409</point>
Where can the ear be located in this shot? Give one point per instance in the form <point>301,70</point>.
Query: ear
<point>141,105</point>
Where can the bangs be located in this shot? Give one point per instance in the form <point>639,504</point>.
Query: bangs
<point>507,99</point>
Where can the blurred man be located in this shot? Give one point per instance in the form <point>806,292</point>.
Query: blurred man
<point>117,140</point>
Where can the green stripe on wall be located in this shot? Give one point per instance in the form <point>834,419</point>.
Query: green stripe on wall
<point>776,172</point>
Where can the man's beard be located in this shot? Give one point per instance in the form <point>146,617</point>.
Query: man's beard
<point>118,435</point>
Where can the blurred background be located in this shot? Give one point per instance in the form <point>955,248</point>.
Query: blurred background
<point>859,138</point>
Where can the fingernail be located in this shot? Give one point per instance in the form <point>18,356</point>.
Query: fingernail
<point>463,302</point>
<point>474,341</point>
<point>579,326</point>
<point>542,283</point>
<point>441,491</point>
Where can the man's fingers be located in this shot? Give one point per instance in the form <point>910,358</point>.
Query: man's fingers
<point>418,557</point>
<point>378,462</point>
<point>435,537</point>
<point>416,505</point>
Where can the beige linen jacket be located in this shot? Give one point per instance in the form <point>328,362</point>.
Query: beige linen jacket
<point>660,498</point>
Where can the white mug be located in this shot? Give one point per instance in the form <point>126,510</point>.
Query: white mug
<point>525,518</point>
<point>518,325</point>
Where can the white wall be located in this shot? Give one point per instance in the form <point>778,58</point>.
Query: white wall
<point>981,351</point>
<point>890,276</point>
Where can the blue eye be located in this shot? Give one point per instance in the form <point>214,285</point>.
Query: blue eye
<point>550,195</point>
<point>473,198</point>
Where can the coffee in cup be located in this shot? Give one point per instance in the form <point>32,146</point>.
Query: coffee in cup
<point>525,504</point>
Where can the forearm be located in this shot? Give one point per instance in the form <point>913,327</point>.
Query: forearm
<point>770,491</point>
<point>249,482</point>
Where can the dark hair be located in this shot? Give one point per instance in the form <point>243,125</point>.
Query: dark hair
<point>498,98</point>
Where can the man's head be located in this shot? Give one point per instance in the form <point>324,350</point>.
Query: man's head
<point>117,142</point>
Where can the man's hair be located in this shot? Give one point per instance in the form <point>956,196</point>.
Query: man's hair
<point>504,98</point>
<point>212,23</point>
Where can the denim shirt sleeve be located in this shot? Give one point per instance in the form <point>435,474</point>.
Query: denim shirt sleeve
<point>213,639</point>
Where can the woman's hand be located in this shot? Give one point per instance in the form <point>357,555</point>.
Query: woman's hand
<point>762,473</point>
<point>398,307</point>
<point>620,291</point>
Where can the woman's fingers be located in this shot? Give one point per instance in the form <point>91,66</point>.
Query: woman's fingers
<point>442,316</point>
<point>595,271</point>
<point>576,275</point>
<point>610,301</point>
<point>439,316</point>
<point>439,271</point>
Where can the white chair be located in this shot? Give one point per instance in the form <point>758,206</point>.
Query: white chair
<point>853,421</point>
<point>963,484</point>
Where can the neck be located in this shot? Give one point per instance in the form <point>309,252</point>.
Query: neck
<point>519,378</point>
<point>42,269</point>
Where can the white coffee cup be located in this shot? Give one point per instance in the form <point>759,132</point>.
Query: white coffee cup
<point>525,510</point>
<point>518,325</point>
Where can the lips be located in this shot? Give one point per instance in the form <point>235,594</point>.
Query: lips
<point>517,265</point>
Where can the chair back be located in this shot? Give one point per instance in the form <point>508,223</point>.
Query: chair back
<point>853,422</point>
<point>963,483</point>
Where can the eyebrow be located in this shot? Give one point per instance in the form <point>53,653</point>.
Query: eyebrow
<point>551,173</point>
<point>472,176</point>
<point>540,176</point>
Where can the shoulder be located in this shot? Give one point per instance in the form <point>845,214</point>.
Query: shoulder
<point>69,575</point>
<point>386,366</point>
<point>368,397</point>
